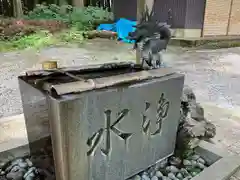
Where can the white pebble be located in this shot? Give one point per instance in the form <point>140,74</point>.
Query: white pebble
<point>194,163</point>
<point>171,176</point>
<point>195,157</point>
<point>200,165</point>
<point>179,176</point>
<point>145,173</point>
<point>165,178</point>
<point>137,177</point>
<point>154,178</point>
<point>187,162</point>
<point>194,173</point>
<point>30,164</point>
<point>145,177</point>
<point>2,164</point>
<point>23,165</point>
<point>172,169</point>
<point>202,161</point>
<point>184,172</point>
<point>159,174</point>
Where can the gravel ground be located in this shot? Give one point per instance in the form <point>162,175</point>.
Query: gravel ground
<point>174,169</point>
<point>14,63</point>
<point>170,169</point>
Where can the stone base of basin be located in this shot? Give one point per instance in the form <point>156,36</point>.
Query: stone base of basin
<point>222,165</point>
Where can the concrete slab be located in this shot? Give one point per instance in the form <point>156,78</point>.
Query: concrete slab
<point>224,165</point>
<point>12,132</point>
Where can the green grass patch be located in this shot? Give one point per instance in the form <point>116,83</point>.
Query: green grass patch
<point>43,39</point>
<point>27,32</point>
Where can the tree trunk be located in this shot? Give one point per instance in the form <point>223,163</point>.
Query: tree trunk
<point>78,3</point>
<point>18,9</point>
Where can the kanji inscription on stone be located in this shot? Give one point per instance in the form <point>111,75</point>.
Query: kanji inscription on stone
<point>162,112</point>
<point>96,138</point>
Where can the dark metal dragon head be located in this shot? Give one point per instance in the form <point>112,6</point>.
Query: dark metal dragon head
<point>149,27</point>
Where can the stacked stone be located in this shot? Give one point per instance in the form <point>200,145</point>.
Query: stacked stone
<point>193,125</point>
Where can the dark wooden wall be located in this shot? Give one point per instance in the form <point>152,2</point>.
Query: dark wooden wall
<point>178,13</point>
<point>125,9</point>
<point>195,14</point>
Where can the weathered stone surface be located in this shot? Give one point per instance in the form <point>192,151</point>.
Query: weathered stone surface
<point>193,125</point>
<point>115,132</point>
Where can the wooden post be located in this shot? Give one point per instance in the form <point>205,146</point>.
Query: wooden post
<point>17,7</point>
<point>141,7</point>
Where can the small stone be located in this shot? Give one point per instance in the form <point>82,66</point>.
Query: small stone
<point>17,168</point>
<point>184,172</point>
<point>200,165</point>
<point>30,164</point>
<point>210,130</point>
<point>23,165</point>
<point>165,178</point>
<point>194,173</point>
<point>2,172</point>
<point>154,178</point>
<point>197,170</point>
<point>171,176</point>
<point>189,168</point>
<point>30,176</point>
<point>202,161</point>
<point>175,161</point>
<point>30,172</point>
<point>145,177</point>
<point>162,164</point>
<point>137,177</point>
<point>2,164</point>
<point>17,161</point>
<point>195,157</point>
<point>194,163</point>
<point>145,173</point>
<point>187,162</point>
<point>9,168</point>
<point>159,174</point>
<point>15,175</point>
<point>151,174</point>
<point>151,171</point>
<point>172,169</point>
<point>179,176</point>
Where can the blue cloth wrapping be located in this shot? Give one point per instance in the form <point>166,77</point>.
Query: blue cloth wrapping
<point>122,27</point>
<point>106,27</point>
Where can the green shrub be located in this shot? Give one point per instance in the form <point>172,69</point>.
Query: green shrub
<point>51,12</point>
<point>89,17</point>
<point>85,18</point>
